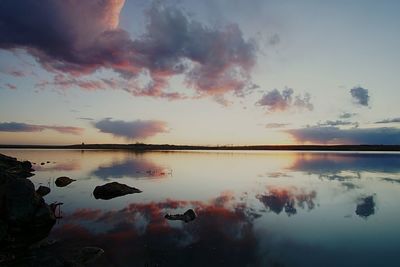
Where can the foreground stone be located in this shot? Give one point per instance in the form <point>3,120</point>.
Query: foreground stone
<point>188,216</point>
<point>112,190</point>
<point>11,167</point>
<point>24,216</point>
<point>63,181</point>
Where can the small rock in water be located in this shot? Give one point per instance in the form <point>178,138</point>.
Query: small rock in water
<point>43,190</point>
<point>63,181</point>
<point>112,190</point>
<point>366,207</point>
<point>42,163</point>
<point>188,216</point>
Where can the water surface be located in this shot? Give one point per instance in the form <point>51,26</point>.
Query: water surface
<point>254,208</point>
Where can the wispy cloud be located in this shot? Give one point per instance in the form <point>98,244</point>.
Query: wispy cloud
<point>360,96</point>
<point>11,86</point>
<point>213,60</point>
<point>139,129</point>
<point>394,120</point>
<point>335,135</point>
<point>280,101</point>
<point>347,115</point>
<point>85,119</point>
<point>276,125</point>
<point>337,123</point>
<point>24,127</point>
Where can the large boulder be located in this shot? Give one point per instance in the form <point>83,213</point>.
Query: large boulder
<point>24,216</point>
<point>112,190</point>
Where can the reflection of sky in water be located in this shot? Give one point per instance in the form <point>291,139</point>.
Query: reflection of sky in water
<point>254,209</point>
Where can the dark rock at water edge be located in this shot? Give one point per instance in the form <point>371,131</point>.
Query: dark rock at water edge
<point>24,216</point>
<point>43,190</point>
<point>63,181</point>
<point>187,216</point>
<point>112,190</point>
<point>11,167</point>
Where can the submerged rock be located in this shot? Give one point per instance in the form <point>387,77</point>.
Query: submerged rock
<point>63,181</point>
<point>188,216</point>
<point>366,207</point>
<point>43,190</point>
<point>112,190</point>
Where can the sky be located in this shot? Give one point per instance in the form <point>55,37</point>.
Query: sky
<point>212,72</point>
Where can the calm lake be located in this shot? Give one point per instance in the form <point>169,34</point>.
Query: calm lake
<point>253,208</point>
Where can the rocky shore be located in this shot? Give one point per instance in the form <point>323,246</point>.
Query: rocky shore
<point>26,220</point>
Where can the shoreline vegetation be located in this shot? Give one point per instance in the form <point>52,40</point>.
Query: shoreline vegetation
<point>166,147</point>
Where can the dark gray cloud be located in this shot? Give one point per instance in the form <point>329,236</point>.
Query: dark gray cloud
<point>347,115</point>
<point>280,101</point>
<point>335,135</point>
<point>337,123</point>
<point>360,95</point>
<point>85,36</point>
<point>24,127</point>
<point>139,129</point>
<point>394,120</point>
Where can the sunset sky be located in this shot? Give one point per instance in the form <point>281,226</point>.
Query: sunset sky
<point>210,72</point>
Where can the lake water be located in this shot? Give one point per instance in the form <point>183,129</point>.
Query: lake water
<point>254,208</point>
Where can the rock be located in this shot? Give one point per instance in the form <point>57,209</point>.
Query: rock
<point>11,167</point>
<point>25,218</point>
<point>112,190</point>
<point>188,216</point>
<point>42,163</point>
<point>366,207</point>
<point>24,214</point>
<point>63,181</point>
<point>43,190</point>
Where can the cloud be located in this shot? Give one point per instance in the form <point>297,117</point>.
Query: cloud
<point>360,96</point>
<point>276,125</point>
<point>277,101</point>
<point>335,135</point>
<point>333,165</point>
<point>139,129</point>
<point>132,168</point>
<point>24,127</point>
<point>86,118</point>
<point>13,72</point>
<point>279,199</point>
<point>338,123</point>
<point>394,120</point>
<point>11,86</point>
<point>221,223</point>
<point>347,115</point>
<point>85,37</point>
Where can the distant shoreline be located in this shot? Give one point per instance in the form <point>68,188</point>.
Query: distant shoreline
<point>152,147</point>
